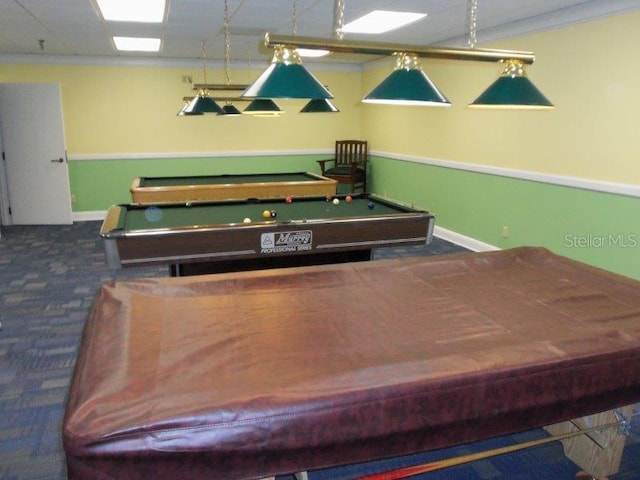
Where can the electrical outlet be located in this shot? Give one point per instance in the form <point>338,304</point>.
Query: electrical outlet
<point>505,232</point>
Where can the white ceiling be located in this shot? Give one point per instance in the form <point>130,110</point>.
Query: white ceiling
<point>75,28</point>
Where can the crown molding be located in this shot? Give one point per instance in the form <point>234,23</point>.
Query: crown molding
<point>116,61</point>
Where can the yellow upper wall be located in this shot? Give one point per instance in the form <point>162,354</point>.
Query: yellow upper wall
<point>132,110</point>
<point>589,71</point>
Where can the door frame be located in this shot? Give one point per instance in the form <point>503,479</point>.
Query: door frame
<point>5,216</point>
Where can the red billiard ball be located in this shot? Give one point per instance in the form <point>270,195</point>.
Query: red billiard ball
<point>329,198</point>
<point>288,199</point>
<point>348,199</point>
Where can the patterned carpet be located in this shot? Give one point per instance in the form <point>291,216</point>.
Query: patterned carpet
<point>49,276</point>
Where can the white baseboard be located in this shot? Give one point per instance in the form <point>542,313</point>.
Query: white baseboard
<point>462,240</point>
<point>88,216</point>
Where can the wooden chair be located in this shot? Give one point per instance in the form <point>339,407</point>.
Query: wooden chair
<point>349,165</point>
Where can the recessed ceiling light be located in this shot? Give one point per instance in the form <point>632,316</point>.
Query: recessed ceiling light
<point>132,44</point>
<point>145,11</point>
<point>380,21</point>
<point>308,52</point>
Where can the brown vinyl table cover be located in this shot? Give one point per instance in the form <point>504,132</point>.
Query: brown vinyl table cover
<point>245,375</point>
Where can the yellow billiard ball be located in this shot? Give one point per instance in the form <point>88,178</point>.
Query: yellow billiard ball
<point>266,214</point>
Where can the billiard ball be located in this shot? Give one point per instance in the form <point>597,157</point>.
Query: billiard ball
<point>247,220</point>
<point>336,201</point>
<point>266,214</point>
<point>370,205</point>
<point>273,213</point>
<point>288,199</point>
<point>153,214</point>
<point>348,199</point>
<point>329,197</point>
<point>188,204</point>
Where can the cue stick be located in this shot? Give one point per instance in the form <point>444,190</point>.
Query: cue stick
<point>451,462</point>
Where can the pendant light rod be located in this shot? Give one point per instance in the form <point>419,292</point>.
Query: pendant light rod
<point>219,86</point>
<point>228,98</point>
<point>369,48</point>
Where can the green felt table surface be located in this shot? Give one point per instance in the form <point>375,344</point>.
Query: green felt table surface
<point>226,179</point>
<point>135,217</point>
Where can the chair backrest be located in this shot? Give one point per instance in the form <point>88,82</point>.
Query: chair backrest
<point>348,151</point>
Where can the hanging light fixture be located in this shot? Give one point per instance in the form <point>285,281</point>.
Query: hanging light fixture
<point>201,103</point>
<point>320,105</point>
<point>407,85</point>
<point>183,111</point>
<point>229,109</point>
<point>324,105</point>
<point>512,89</point>
<point>263,107</point>
<point>286,77</point>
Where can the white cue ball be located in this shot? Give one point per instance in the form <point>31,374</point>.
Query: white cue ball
<point>247,220</point>
<point>336,201</point>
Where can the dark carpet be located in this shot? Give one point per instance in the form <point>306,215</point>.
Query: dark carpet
<point>49,276</point>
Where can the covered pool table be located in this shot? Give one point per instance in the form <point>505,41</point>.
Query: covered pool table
<point>207,188</point>
<point>246,375</point>
<point>213,237</point>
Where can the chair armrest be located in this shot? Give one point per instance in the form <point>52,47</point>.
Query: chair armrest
<point>323,163</point>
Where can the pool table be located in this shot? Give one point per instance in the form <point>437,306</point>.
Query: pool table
<point>244,375</point>
<point>212,237</point>
<point>146,190</point>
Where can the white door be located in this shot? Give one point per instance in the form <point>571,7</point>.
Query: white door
<point>37,177</point>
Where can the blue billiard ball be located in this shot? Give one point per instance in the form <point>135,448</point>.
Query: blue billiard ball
<point>370,205</point>
<point>153,214</point>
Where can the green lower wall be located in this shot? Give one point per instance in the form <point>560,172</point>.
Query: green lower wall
<point>598,228</point>
<point>98,184</point>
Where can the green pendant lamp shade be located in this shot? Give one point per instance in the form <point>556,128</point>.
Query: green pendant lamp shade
<point>263,107</point>
<point>230,110</point>
<point>201,104</point>
<point>184,112</point>
<point>319,105</point>
<point>512,90</point>
<point>407,85</point>
<point>286,77</point>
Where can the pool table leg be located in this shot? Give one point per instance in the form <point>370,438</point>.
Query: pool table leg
<point>598,453</point>
<point>582,475</point>
<point>299,476</point>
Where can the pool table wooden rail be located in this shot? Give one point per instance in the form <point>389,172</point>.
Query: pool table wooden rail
<point>237,187</point>
<point>225,242</point>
